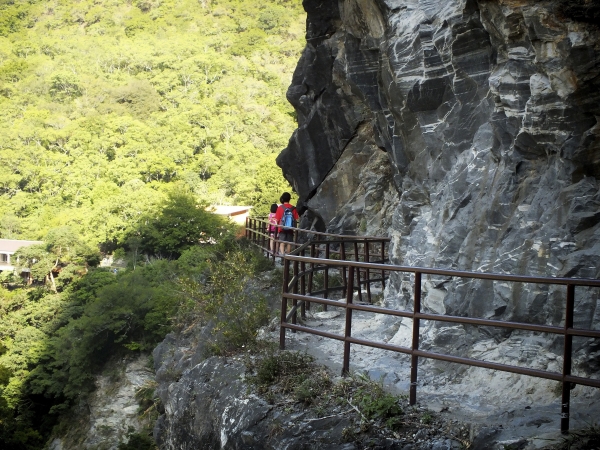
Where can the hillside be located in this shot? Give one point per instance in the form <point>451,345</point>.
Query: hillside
<point>107,106</point>
<point>120,122</point>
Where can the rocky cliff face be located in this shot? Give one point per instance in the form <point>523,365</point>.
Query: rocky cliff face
<point>467,131</point>
<point>108,416</point>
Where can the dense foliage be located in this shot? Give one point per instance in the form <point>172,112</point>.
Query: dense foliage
<point>122,122</point>
<point>109,105</point>
<point>53,342</point>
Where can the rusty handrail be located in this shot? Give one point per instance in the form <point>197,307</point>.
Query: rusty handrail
<point>256,232</point>
<point>357,273</point>
<point>351,282</point>
<point>263,220</point>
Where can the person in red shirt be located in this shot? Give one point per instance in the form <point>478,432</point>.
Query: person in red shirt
<point>286,234</point>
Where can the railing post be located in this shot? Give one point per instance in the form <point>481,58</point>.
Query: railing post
<point>348,331</point>
<point>382,262</point>
<point>263,230</point>
<point>414,359</point>
<point>567,355</point>
<point>312,270</point>
<point>326,275</point>
<point>303,286</point>
<point>266,239</point>
<point>295,291</point>
<point>357,259</point>
<point>247,219</point>
<point>343,257</point>
<point>367,274</point>
<point>284,302</point>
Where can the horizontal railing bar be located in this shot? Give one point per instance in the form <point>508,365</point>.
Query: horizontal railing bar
<point>460,360</point>
<point>492,323</point>
<point>453,273</point>
<point>454,319</point>
<point>292,326</point>
<point>489,365</point>
<point>320,233</point>
<point>381,345</point>
<point>585,381</point>
<point>322,301</point>
<point>343,304</point>
<point>378,310</point>
<point>583,333</point>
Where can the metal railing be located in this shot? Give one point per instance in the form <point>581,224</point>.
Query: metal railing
<point>336,246</point>
<point>362,261</point>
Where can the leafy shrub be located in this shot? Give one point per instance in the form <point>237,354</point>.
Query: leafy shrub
<point>293,372</point>
<point>375,403</point>
<point>311,386</point>
<point>138,441</point>
<point>275,366</point>
<point>369,397</point>
<point>228,300</point>
<point>182,224</point>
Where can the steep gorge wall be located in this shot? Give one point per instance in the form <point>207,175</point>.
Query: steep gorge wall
<point>468,132</point>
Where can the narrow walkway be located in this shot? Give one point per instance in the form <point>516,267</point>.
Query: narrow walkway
<point>488,416</point>
<point>478,383</point>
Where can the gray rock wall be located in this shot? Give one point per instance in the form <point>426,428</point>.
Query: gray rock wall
<point>106,418</point>
<point>208,404</point>
<point>465,130</point>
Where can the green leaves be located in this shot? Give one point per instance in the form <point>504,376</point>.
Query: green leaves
<point>120,122</point>
<point>12,70</point>
<point>111,93</point>
<point>183,223</point>
<point>65,85</point>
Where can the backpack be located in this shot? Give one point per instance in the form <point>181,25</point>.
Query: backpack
<point>288,219</point>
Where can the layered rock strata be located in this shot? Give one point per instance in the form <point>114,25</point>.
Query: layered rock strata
<point>465,130</point>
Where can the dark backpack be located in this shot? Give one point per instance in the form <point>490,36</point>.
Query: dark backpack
<point>288,219</point>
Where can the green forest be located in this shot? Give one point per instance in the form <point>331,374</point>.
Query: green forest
<point>122,121</point>
<point>108,105</point>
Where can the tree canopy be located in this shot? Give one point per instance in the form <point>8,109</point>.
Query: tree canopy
<point>121,122</point>
<point>106,104</point>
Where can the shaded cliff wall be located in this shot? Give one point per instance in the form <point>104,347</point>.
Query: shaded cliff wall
<point>467,131</point>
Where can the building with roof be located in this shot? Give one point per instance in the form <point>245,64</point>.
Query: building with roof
<point>237,214</point>
<point>8,247</point>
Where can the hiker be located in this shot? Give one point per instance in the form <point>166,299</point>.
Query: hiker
<point>287,217</point>
<point>272,227</point>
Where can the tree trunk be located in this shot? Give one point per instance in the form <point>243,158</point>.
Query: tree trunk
<point>53,283</point>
